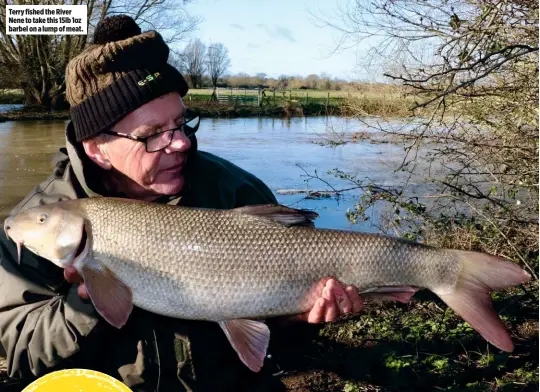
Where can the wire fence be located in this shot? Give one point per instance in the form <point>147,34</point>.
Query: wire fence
<point>266,97</point>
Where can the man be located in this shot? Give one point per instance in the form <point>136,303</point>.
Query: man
<point>130,136</point>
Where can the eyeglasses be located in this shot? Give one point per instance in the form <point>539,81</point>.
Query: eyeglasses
<point>162,139</point>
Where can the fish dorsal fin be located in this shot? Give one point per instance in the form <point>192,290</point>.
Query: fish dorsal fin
<point>112,299</point>
<point>249,339</point>
<point>280,214</point>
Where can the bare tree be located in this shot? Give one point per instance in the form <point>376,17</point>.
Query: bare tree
<point>217,62</point>
<point>472,67</point>
<point>261,78</point>
<point>169,17</point>
<point>192,60</point>
<point>283,82</point>
<point>241,79</point>
<point>37,62</point>
<point>312,81</point>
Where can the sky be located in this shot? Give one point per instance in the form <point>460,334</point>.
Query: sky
<point>274,36</point>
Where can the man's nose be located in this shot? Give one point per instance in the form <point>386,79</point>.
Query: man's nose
<point>179,143</point>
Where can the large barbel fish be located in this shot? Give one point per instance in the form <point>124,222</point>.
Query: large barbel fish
<point>238,266</point>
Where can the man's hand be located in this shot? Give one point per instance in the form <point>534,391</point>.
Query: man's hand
<point>335,300</point>
<point>72,276</point>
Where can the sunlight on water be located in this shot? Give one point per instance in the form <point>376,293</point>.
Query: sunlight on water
<point>278,151</point>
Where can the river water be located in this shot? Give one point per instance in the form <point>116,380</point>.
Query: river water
<point>279,151</point>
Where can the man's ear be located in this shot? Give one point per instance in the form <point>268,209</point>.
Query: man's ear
<point>94,150</point>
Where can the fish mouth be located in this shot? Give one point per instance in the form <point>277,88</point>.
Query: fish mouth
<point>82,251</point>
<point>18,243</point>
<point>82,244</point>
<point>6,228</point>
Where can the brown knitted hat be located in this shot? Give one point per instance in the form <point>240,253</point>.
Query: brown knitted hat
<point>122,70</point>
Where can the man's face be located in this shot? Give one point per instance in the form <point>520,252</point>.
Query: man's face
<point>149,174</point>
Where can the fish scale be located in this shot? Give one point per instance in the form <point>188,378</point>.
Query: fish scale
<point>242,267</point>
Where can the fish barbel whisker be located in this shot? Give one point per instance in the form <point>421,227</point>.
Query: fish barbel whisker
<point>19,250</point>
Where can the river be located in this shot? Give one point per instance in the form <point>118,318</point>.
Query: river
<point>278,151</point>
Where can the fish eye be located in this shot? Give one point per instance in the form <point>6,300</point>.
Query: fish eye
<point>42,218</point>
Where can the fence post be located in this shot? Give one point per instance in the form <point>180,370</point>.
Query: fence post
<point>290,95</point>
<point>274,97</point>
<point>307,97</point>
<point>258,96</point>
<point>327,102</point>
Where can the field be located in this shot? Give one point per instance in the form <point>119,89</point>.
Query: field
<point>365,100</point>
<point>11,96</point>
<point>365,92</point>
<point>295,93</point>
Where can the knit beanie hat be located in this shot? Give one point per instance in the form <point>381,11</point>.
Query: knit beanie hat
<point>122,70</point>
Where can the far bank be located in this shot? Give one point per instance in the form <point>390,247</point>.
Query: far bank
<point>207,110</point>
<point>373,104</point>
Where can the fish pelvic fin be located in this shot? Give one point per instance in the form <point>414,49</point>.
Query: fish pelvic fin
<point>480,274</point>
<point>112,299</point>
<point>250,339</point>
<point>280,214</point>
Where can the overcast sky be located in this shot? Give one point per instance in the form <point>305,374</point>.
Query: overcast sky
<point>274,36</point>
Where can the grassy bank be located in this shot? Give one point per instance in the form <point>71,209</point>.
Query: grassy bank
<point>244,103</point>
<point>11,96</point>
<point>420,346</point>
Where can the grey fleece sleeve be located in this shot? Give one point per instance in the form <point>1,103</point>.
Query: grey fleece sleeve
<point>39,328</point>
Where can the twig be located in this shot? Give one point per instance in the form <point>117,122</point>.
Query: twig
<point>531,270</point>
<point>469,82</point>
<point>528,49</point>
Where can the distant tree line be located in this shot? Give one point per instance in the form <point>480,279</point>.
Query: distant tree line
<point>284,82</point>
<point>206,66</point>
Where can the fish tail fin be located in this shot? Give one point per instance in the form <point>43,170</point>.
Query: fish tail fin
<point>470,298</point>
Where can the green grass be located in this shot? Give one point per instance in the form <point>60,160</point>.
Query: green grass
<point>417,346</point>
<point>295,93</point>
<point>11,96</point>
<point>368,100</point>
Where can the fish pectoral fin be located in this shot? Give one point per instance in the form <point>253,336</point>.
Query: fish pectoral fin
<point>280,214</point>
<point>249,339</point>
<point>391,293</point>
<point>112,299</point>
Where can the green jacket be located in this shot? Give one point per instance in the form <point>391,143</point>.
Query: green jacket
<point>45,325</point>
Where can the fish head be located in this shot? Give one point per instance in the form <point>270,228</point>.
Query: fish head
<point>48,231</point>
